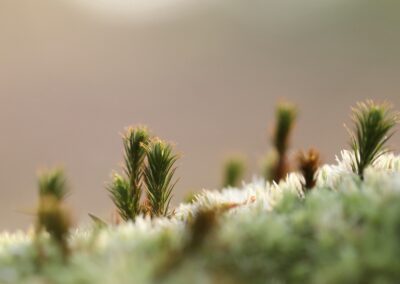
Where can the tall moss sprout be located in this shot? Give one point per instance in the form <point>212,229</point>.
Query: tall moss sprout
<point>158,176</point>
<point>126,191</point>
<point>234,169</point>
<point>373,127</point>
<point>52,215</point>
<point>276,165</point>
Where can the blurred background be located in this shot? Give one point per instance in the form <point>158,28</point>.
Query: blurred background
<point>203,74</point>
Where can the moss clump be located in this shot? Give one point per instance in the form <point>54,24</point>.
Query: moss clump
<point>345,230</point>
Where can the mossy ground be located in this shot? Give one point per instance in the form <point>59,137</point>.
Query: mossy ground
<point>346,230</point>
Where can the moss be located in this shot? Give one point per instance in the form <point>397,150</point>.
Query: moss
<point>345,230</point>
<point>347,233</point>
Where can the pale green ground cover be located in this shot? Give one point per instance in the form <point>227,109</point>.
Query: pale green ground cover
<point>345,230</point>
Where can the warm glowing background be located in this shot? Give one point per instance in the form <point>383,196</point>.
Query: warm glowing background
<point>74,73</point>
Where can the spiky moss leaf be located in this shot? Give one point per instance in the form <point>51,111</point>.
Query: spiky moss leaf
<point>158,175</point>
<point>372,129</point>
<point>135,140</point>
<point>120,194</point>
<point>126,192</point>
<point>134,153</point>
<point>53,182</point>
